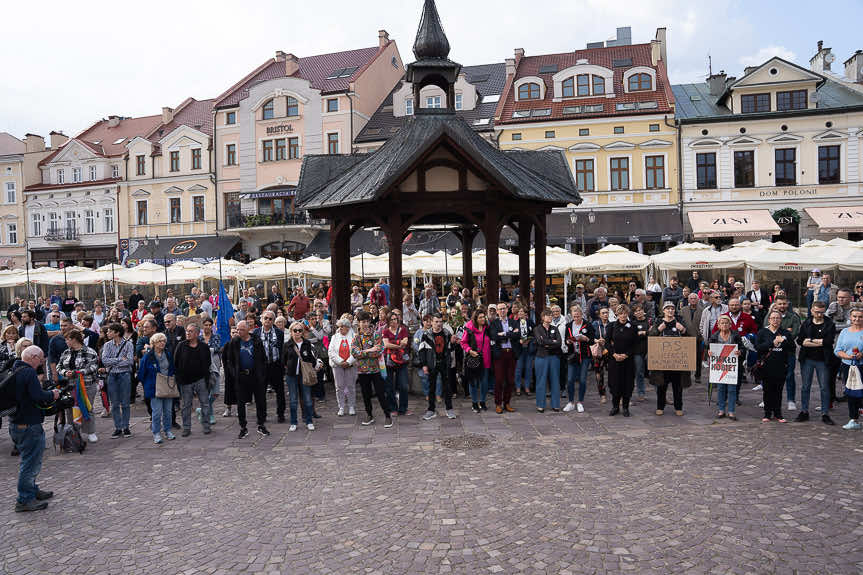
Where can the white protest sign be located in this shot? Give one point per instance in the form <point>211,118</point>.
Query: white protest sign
<point>723,363</point>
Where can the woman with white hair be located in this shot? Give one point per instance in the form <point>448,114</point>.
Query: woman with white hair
<point>157,360</point>
<point>344,368</point>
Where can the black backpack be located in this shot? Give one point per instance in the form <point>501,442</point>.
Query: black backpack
<point>8,392</point>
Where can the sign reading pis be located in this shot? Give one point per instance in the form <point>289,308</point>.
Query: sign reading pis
<point>671,353</point>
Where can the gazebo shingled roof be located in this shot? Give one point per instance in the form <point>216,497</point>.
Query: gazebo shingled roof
<point>437,170</point>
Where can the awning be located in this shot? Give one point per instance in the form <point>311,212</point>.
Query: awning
<point>274,192</point>
<point>616,227</point>
<point>734,223</point>
<point>196,248</point>
<point>837,219</point>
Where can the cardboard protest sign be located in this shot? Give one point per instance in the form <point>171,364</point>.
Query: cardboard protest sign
<point>671,353</point>
<point>723,363</point>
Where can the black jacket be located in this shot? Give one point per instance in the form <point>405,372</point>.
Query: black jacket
<point>231,362</point>
<point>28,393</point>
<point>40,336</point>
<point>426,350</point>
<point>495,329</point>
<point>191,363</point>
<point>775,358</point>
<point>825,331</point>
<point>642,325</point>
<point>291,357</point>
<point>175,336</point>
<point>622,338</point>
<point>547,341</point>
<point>280,341</point>
<point>580,351</point>
<point>133,301</point>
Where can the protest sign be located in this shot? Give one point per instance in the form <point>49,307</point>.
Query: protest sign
<point>671,353</point>
<point>723,363</point>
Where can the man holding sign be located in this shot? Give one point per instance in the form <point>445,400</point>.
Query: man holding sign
<point>724,365</point>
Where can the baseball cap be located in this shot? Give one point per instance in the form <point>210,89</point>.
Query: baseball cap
<point>580,286</point>
<point>668,304</point>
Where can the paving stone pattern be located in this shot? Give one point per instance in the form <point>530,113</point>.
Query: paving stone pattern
<point>552,493</point>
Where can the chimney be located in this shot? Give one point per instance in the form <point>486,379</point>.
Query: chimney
<point>519,54</point>
<point>655,54</point>
<point>34,143</point>
<point>57,139</point>
<point>167,115</point>
<point>292,64</point>
<point>510,66</point>
<point>114,121</point>
<point>854,67</point>
<point>716,83</point>
<point>749,69</point>
<point>822,59</point>
<point>661,38</point>
<point>280,56</point>
<point>383,38</point>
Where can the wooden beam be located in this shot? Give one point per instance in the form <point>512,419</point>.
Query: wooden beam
<point>491,231</point>
<point>467,236</point>
<point>524,229</point>
<point>539,244</point>
<point>394,232</point>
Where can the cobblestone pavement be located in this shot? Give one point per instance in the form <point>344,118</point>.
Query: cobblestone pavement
<point>551,493</point>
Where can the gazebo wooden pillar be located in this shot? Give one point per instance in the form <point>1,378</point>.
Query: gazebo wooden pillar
<point>467,236</point>
<point>491,231</point>
<point>340,267</point>
<point>525,226</point>
<point>539,245</point>
<point>395,236</point>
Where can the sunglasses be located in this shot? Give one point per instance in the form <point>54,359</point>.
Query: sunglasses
<point>297,331</point>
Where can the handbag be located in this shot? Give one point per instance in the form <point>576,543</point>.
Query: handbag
<point>758,370</point>
<point>472,364</point>
<point>854,383</point>
<point>309,375</point>
<point>166,387</point>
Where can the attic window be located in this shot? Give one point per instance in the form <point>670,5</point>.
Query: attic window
<point>694,98</point>
<point>621,62</point>
<point>581,61</point>
<point>540,112</point>
<point>590,109</point>
<point>97,142</point>
<point>491,99</point>
<point>481,122</point>
<point>342,73</point>
<point>773,71</point>
<point>647,105</point>
<point>118,141</point>
<point>626,106</point>
<point>478,79</point>
<point>521,114</point>
<point>373,131</point>
<point>550,69</point>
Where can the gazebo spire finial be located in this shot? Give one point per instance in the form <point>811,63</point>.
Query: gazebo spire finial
<point>431,41</point>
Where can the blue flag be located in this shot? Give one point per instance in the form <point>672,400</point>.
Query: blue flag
<point>224,313</point>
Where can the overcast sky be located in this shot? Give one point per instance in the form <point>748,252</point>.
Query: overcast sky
<point>67,64</point>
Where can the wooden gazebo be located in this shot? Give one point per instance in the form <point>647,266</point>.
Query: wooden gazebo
<point>437,171</point>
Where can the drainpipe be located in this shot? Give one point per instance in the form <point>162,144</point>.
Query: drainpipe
<point>214,171</point>
<point>676,127</point>
<point>351,121</point>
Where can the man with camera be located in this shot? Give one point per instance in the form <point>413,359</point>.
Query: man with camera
<point>26,431</point>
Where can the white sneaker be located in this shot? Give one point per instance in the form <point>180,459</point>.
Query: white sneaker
<point>310,426</point>
<point>352,411</point>
<point>92,438</point>
<point>341,412</point>
<point>758,387</point>
<point>851,425</point>
<point>157,439</point>
<point>292,428</point>
<point>227,413</point>
<point>450,414</point>
<point>569,407</point>
<point>761,404</point>
<point>429,415</point>
<point>580,407</point>
<point>792,406</point>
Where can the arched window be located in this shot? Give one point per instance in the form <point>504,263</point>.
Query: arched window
<point>569,87</point>
<point>583,84</point>
<point>529,91</point>
<point>293,107</point>
<point>640,82</point>
<point>267,111</point>
<point>598,85</point>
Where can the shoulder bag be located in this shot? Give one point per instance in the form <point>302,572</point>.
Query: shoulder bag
<point>166,387</point>
<point>472,364</point>
<point>309,375</point>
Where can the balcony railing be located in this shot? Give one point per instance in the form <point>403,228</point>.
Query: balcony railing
<point>68,234</point>
<point>240,220</point>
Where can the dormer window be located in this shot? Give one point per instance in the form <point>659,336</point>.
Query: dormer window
<point>638,82</point>
<point>529,91</point>
<point>598,85</point>
<point>433,102</point>
<point>458,101</point>
<point>409,107</point>
<point>793,100</point>
<point>580,85</point>
<point>752,103</point>
<point>293,107</point>
<point>568,86</point>
<point>268,111</point>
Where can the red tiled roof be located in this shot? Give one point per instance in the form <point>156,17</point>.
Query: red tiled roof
<point>640,55</point>
<point>101,132</point>
<point>197,114</point>
<point>38,187</point>
<point>315,69</point>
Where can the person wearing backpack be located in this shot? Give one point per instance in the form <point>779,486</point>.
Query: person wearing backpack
<point>25,429</point>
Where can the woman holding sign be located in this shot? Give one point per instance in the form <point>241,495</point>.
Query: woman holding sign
<point>726,398</point>
<point>774,345</point>
<point>669,327</point>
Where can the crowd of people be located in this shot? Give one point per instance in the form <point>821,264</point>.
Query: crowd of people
<point>167,352</point>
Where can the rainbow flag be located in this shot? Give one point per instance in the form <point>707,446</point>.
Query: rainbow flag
<point>82,410</point>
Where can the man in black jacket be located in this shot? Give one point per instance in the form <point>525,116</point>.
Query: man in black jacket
<point>273,340</point>
<point>760,301</point>
<point>33,330</point>
<point>245,365</point>
<point>504,353</point>
<point>434,354</point>
<point>134,299</point>
<point>25,429</point>
<point>175,333</point>
<point>192,374</point>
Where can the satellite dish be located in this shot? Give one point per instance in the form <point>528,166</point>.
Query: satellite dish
<point>830,58</point>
